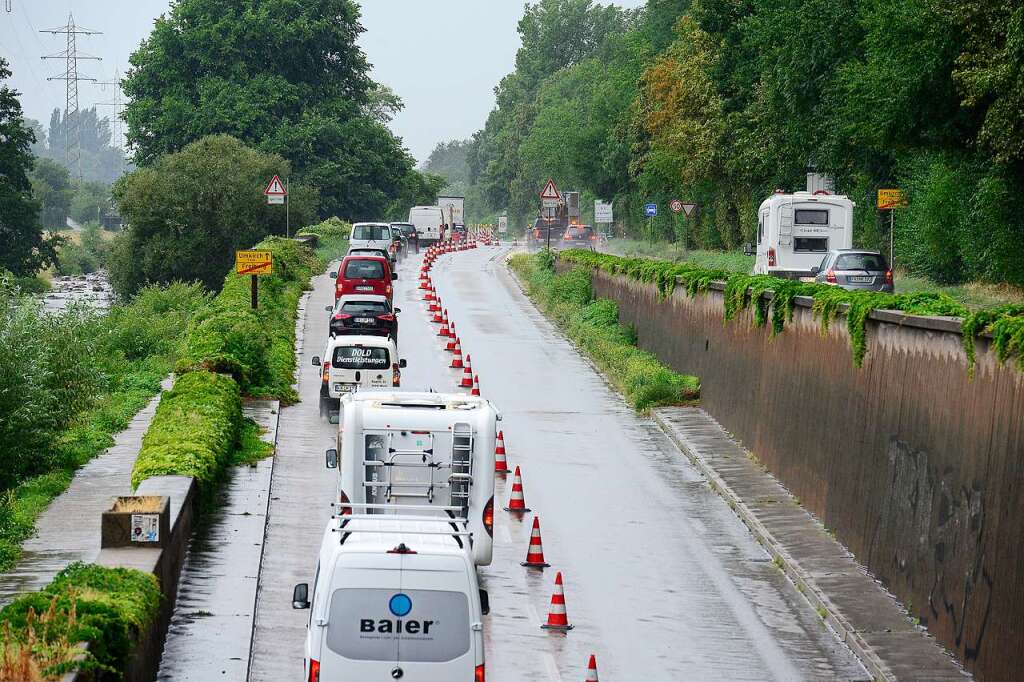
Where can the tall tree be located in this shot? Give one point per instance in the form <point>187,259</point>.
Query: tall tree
<point>51,186</point>
<point>23,250</point>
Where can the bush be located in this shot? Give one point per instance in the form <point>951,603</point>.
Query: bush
<point>107,607</point>
<point>230,342</point>
<point>155,321</point>
<point>194,431</point>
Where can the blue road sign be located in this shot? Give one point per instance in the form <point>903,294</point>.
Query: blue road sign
<point>651,210</point>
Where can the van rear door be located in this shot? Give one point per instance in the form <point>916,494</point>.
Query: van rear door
<point>359,365</point>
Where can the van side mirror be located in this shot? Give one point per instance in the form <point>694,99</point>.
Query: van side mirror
<point>748,249</point>
<point>485,602</point>
<point>316,360</point>
<point>329,308</point>
<point>300,596</point>
<point>332,458</point>
<point>397,310</point>
<point>334,275</point>
<point>394,275</point>
<point>402,364</point>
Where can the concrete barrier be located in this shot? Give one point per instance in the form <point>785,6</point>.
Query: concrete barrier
<point>915,466</point>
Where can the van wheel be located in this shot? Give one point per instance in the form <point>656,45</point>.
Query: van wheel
<point>327,405</point>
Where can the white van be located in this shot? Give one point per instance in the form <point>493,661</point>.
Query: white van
<point>394,597</point>
<point>351,363</point>
<point>429,222</point>
<point>795,231</point>
<point>432,449</point>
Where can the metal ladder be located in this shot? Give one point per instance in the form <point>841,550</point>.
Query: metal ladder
<point>403,459</point>
<point>461,478</point>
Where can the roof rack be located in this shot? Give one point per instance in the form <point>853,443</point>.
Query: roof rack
<point>396,507</point>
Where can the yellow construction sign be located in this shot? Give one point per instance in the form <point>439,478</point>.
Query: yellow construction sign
<point>254,262</point>
<point>889,199</point>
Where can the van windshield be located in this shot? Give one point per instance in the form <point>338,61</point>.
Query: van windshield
<point>368,232</point>
<point>355,357</point>
<point>430,626</point>
<point>364,268</point>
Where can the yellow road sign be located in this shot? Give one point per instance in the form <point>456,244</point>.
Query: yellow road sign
<point>254,262</point>
<point>891,198</point>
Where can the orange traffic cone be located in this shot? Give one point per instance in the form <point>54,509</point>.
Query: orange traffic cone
<point>535,552</point>
<point>592,669</point>
<point>476,385</point>
<point>467,375</point>
<point>450,346</point>
<point>557,618</point>
<point>500,462</point>
<point>516,502</point>
<point>444,331</point>
<point>437,318</point>
<point>457,355</point>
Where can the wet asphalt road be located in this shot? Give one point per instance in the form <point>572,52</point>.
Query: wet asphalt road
<point>662,581</point>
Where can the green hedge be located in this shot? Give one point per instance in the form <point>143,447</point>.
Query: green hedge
<point>333,234</point>
<point>1004,323</point>
<point>194,431</point>
<point>594,326</point>
<point>107,607</point>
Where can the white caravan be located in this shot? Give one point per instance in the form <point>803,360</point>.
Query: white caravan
<point>795,231</point>
<point>429,222</point>
<point>394,597</point>
<point>432,449</point>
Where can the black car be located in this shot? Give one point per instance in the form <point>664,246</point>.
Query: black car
<point>412,239</point>
<point>545,232</point>
<point>364,314</point>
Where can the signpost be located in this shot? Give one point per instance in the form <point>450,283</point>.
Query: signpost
<point>889,200</point>
<point>502,224</point>
<point>676,206</point>
<point>650,210</point>
<point>277,193</point>
<point>603,212</point>
<point>550,197</point>
<point>254,263</point>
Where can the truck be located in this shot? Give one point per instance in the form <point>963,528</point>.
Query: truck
<point>429,222</point>
<point>454,210</point>
<point>409,448</point>
<point>795,231</point>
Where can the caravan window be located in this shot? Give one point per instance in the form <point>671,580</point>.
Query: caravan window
<point>810,217</point>
<point>810,244</point>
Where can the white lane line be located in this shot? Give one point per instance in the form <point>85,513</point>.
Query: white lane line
<point>551,668</point>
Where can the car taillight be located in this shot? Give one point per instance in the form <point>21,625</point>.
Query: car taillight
<point>488,516</point>
<point>771,258</point>
<point>343,500</point>
<point>396,375</point>
<point>830,276</point>
<point>479,674</point>
<point>342,316</point>
<point>388,290</point>
<point>888,276</point>
<point>314,670</point>
<point>386,317</point>
<point>327,372</point>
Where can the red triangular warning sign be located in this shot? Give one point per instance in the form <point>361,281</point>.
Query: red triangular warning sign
<point>550,191</point>
<point>275,188</point>
<point>688,209</point>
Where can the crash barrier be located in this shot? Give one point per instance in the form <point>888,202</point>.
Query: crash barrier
<point>915,465</point>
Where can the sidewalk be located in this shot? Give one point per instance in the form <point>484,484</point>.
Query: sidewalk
<point>69,529</point>
<point>859,609</point>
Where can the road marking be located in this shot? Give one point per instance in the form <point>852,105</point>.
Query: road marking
<point>551,668</point>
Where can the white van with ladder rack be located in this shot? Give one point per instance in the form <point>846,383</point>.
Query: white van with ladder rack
<point>431,449</point>
<point>795,231</point>
<point>395,596</point>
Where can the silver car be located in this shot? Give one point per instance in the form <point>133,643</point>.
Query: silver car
<point>855,269</point>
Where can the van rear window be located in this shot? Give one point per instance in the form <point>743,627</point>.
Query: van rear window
<point>376,232</point>
<point>429,626</point>
<point>810,244</point>
<point>359,268</point>
<point>810,217</point>
<point>354,357</point>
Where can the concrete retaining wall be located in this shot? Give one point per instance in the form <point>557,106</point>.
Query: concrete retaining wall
<point>918,469</point>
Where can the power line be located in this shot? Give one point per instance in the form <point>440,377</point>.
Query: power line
<point>71,56</point>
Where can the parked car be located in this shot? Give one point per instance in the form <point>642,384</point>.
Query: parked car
<point>364,314</point>
<point>854,269</point>
<point>364,275</point>
<point>579,237</point>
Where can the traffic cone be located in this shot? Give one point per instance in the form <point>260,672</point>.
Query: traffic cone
<point>535,552</point>
<point>444,330</point>
<point>557,618</point>
<point>438,318</point>
<point>467,375</point>
<point>500,461</point>
<point>450,346</point>
<point>592,669</point>
<point>476,385</point>
<point>457,355</point>
<point>516,501</point>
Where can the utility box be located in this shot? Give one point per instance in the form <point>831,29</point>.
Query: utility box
<point>137,521</point>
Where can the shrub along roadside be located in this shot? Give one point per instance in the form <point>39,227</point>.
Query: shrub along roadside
<point>1004,323</point>
<point>107,607</point>
<point>594,326</point>
<point>333,236</point>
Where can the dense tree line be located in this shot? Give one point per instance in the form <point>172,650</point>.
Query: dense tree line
<point>719,102</point>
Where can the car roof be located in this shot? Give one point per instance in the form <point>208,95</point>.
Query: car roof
<point>867,251</point>
<point>375,224</point>
<point>360,256</point>
<point>360,340</point>
<point>372,298</point>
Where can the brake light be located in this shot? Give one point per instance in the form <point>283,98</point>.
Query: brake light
<point>401,549</point>
<point>479,674</point>
<point>386,317</point>
<point>888,276</point>
<point>396,375</point>
<point>327,372</point>
<point>342,316</point>
<point>342,500</point>
<point>771,258</point>
<point>314,670</point>
<point>387,290</point>
<point>830,276</point>
<point>488,516</point>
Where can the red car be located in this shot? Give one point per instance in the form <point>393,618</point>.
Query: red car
<point>364,275</point>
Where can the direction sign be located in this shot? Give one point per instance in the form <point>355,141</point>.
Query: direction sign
<point>889,199</point>
<point>676,206</point>
<point>254,262</point>
<point>603,212</point>
<point>650,210</point>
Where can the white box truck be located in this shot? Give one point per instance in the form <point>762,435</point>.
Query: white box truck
<point>394,597</point>
<point>454,210</point>
<point>431,449</point>
<point>795,231</point>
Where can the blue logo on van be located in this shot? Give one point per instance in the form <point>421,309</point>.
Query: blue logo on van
<point>400,605</point>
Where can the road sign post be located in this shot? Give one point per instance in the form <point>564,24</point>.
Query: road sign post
<point>254,264</point>
<point>889,200</point>
<point>549,199</point>
<point>650,210</point>
<point>277,194</point>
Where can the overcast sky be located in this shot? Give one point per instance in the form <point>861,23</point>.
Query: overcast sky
<point>443,57</point>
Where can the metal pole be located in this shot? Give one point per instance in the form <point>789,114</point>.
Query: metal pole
<point>255,300</point>
<point>892,241</point>
<point>287,213</point>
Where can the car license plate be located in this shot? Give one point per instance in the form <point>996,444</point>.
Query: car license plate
<point>364,288</point>
<point>344,388</point>
<point>862,280</point>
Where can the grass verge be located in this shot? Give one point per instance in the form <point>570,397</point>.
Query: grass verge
<point>594,326</point>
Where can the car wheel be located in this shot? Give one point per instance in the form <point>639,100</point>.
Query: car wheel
<point>328,405</point>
